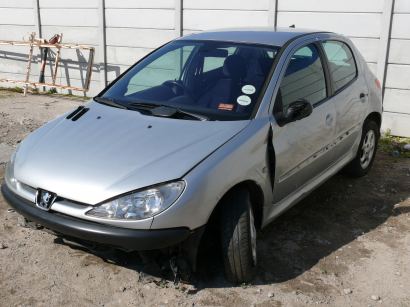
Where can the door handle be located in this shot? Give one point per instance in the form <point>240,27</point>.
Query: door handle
<point>363,96</point>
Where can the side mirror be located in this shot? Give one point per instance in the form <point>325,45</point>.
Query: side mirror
<point>297,110</point>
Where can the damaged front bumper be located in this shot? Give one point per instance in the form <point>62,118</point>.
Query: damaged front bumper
<point>122,238</point>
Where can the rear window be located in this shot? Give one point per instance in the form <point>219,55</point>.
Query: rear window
<point>341,63</point>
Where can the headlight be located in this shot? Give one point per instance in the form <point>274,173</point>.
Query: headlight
<point>9,175</point>
<point>140,205</point>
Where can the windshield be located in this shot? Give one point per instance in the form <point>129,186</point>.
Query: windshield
<point>218,80</point>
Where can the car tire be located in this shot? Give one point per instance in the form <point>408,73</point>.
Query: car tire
<point>366,152</point>
<point>238,237</point>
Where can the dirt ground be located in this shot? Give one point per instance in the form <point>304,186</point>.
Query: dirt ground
<point>347,244</point>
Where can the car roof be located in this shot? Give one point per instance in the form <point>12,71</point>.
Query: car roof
<point>262,35</point>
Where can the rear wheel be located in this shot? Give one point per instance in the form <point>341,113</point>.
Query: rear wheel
<point>366,153</point>
<point>238,237</point>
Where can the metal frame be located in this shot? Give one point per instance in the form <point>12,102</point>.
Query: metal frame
<point>40,43</point>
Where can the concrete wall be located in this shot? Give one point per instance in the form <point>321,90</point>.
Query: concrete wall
<point>123,31</point>
<point>397,90</point>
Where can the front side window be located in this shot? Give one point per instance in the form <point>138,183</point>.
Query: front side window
<point>304,79</point>
<point>219,80</point>
<point>341,63</point>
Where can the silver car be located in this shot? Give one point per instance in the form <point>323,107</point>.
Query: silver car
<point>227,128</point>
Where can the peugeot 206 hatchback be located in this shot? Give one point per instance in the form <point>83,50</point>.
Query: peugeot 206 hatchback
<point>231,126</point>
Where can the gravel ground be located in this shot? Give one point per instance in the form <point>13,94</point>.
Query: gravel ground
<point>348,244</point>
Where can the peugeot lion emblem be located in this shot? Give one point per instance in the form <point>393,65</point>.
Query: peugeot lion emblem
<point>45,199</point>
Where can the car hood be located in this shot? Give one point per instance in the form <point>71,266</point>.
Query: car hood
<point>110,151</point>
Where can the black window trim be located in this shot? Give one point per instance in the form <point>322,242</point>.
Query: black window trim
<point>336,92</point>
<point>329,83</point>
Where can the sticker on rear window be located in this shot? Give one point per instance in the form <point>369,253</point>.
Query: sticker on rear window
<point>248,89</point>
<point>225,106</point>
<point>244,100</point>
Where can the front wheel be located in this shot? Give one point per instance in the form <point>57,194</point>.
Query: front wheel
<point>366,153</point>
<point>238,237</point>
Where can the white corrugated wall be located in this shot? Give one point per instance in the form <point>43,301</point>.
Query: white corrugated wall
<point>397,88</point>
<point>122,31</point>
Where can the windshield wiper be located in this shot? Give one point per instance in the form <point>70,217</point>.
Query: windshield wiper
<point>193,115</point>
<point>172,112</point>
<point>110,102</point>
<point>161,110</point>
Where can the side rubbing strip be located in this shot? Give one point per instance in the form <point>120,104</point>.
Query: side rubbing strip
<point>74,112</point>
<point>79,114</point>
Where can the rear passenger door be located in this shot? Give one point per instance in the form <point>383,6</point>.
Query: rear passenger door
<point>349,93</point>
<point>302,147</point>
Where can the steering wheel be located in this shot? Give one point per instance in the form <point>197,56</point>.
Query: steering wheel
<point>176,86</point>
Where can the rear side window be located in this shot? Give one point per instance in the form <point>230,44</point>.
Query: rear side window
<point>341,63</point>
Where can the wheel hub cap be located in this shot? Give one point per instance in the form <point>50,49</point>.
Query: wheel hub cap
<point>367,150</point>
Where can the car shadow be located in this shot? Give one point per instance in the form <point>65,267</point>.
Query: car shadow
<point>329,219</point>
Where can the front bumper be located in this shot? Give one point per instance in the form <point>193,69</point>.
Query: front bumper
<point>123,238</point>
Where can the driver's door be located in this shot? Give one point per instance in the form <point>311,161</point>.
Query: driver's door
<point>303,148</point>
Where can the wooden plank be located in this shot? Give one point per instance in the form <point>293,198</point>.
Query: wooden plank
<point>205,19</point>
<point>128,4</point>
<point>140,18</point>
<point>17,16</point>
<point>366,6</point>
<point>351,24</point>
<point>56,64</point>
<point>402,6</point>
<point>401,26</point>
<point>30,58</point>
<point>397,76</point>
<point>396,100</point>
<point>399,52</point>
<point>125,55</point>
<point>398,124</point>
<point>143,38</point>
<point>70,17</point>
<point>227,5</point>
<point>68,4</point>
